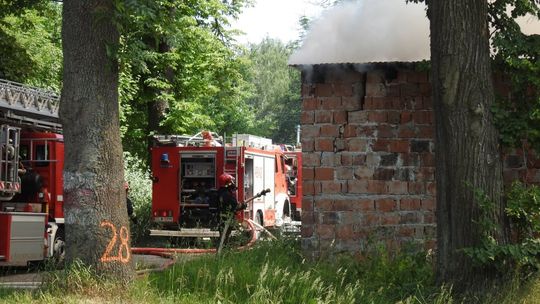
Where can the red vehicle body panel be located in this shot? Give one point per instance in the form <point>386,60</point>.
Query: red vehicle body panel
<point>46,158</point>
<point>5,232</point>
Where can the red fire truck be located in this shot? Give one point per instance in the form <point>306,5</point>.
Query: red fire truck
<point>185,171</point>
<point>31,163</point>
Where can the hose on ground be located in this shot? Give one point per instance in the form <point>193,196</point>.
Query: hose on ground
<point>172,252</point>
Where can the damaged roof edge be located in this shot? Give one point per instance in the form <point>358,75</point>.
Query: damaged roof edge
<point>359,66</point>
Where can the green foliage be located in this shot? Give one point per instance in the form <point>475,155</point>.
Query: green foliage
<point>140,193</point>
<point>180,53</point>
<point>517,56</point>
<point>523,208</point>
<point>276,102</point>
<point>522,254</point>
<point>30,46</point>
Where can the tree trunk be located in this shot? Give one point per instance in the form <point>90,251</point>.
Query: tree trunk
<point>97,228</point>
<point>158,107</point>
<point>467,157</point>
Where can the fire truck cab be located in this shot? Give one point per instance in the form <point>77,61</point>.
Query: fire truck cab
<point>185,171</point>
<point>31,164</point>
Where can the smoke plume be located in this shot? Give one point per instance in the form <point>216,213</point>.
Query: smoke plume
<point>367,31</point>
<point>360,31</point>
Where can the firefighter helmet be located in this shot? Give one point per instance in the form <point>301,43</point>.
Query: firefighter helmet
<point>226,180</point>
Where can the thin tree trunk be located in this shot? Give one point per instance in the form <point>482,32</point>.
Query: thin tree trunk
<point>158,107</point>
<point>467,157</point>
<point>97,228</point>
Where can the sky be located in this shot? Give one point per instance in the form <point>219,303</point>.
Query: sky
<point>275,19</point>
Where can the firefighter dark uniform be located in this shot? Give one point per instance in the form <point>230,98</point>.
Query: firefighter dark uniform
<point>129,204</point>
<point>227,203</point>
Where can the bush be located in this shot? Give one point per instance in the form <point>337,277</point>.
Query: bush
<point>522,255</point>
<point>140,193</point>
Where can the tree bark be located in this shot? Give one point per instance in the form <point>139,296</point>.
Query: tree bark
<point>96,220</point>
<point>467,157</point>
<point>158,107</point>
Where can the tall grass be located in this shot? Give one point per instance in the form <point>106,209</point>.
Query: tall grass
<point>275,272</point>
<point>272,272</point>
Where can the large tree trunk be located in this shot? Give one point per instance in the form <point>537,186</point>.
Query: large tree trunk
<point>97,228</point>
<point>467,157</point>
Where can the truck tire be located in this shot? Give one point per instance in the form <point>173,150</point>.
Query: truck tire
<point>59,246</point>
<point>287,209</point>
<point>259,219</point>
<point>31,184</point>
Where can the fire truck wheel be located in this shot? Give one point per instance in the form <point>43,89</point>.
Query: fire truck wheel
<point>287,209</point>
<point>259,220</point>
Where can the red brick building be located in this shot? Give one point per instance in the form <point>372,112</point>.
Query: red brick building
<point>368,148</point>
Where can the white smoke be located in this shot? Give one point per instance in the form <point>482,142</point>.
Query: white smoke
<point>367,31</point>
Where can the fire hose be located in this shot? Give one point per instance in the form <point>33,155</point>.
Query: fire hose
<point>171,253</point>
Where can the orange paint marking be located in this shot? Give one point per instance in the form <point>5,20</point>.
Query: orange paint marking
<point>122,248</point>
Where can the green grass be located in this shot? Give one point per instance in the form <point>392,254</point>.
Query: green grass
<point>273,272</point>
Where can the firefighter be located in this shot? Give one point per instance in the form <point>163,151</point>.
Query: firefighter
<point>227,205</point>
<point>129,204</point>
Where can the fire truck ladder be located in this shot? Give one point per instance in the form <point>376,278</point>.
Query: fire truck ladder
<point>29,106</point>
<point>231,158</point>
<point>9,161</point>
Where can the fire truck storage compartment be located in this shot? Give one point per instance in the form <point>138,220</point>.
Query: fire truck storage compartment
<point>263,178</point>
<point>21,237</point>
<point>198,187</point>
<point>248,177</point>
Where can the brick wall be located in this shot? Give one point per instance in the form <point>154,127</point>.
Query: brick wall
<point>367,141</point>
<point>367,138</point>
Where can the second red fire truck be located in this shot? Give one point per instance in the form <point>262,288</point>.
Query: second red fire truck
<point>185,173</point>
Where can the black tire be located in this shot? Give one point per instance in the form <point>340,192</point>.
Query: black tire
<point>31,184</point>
<point>59,247</point>
<point>259,220</point>
<point>287,209</point>
<point>294,214</point>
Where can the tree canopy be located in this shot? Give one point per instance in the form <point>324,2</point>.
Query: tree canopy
<point>30,43</point>
<point>179,59</point>
<point>277,90</point>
